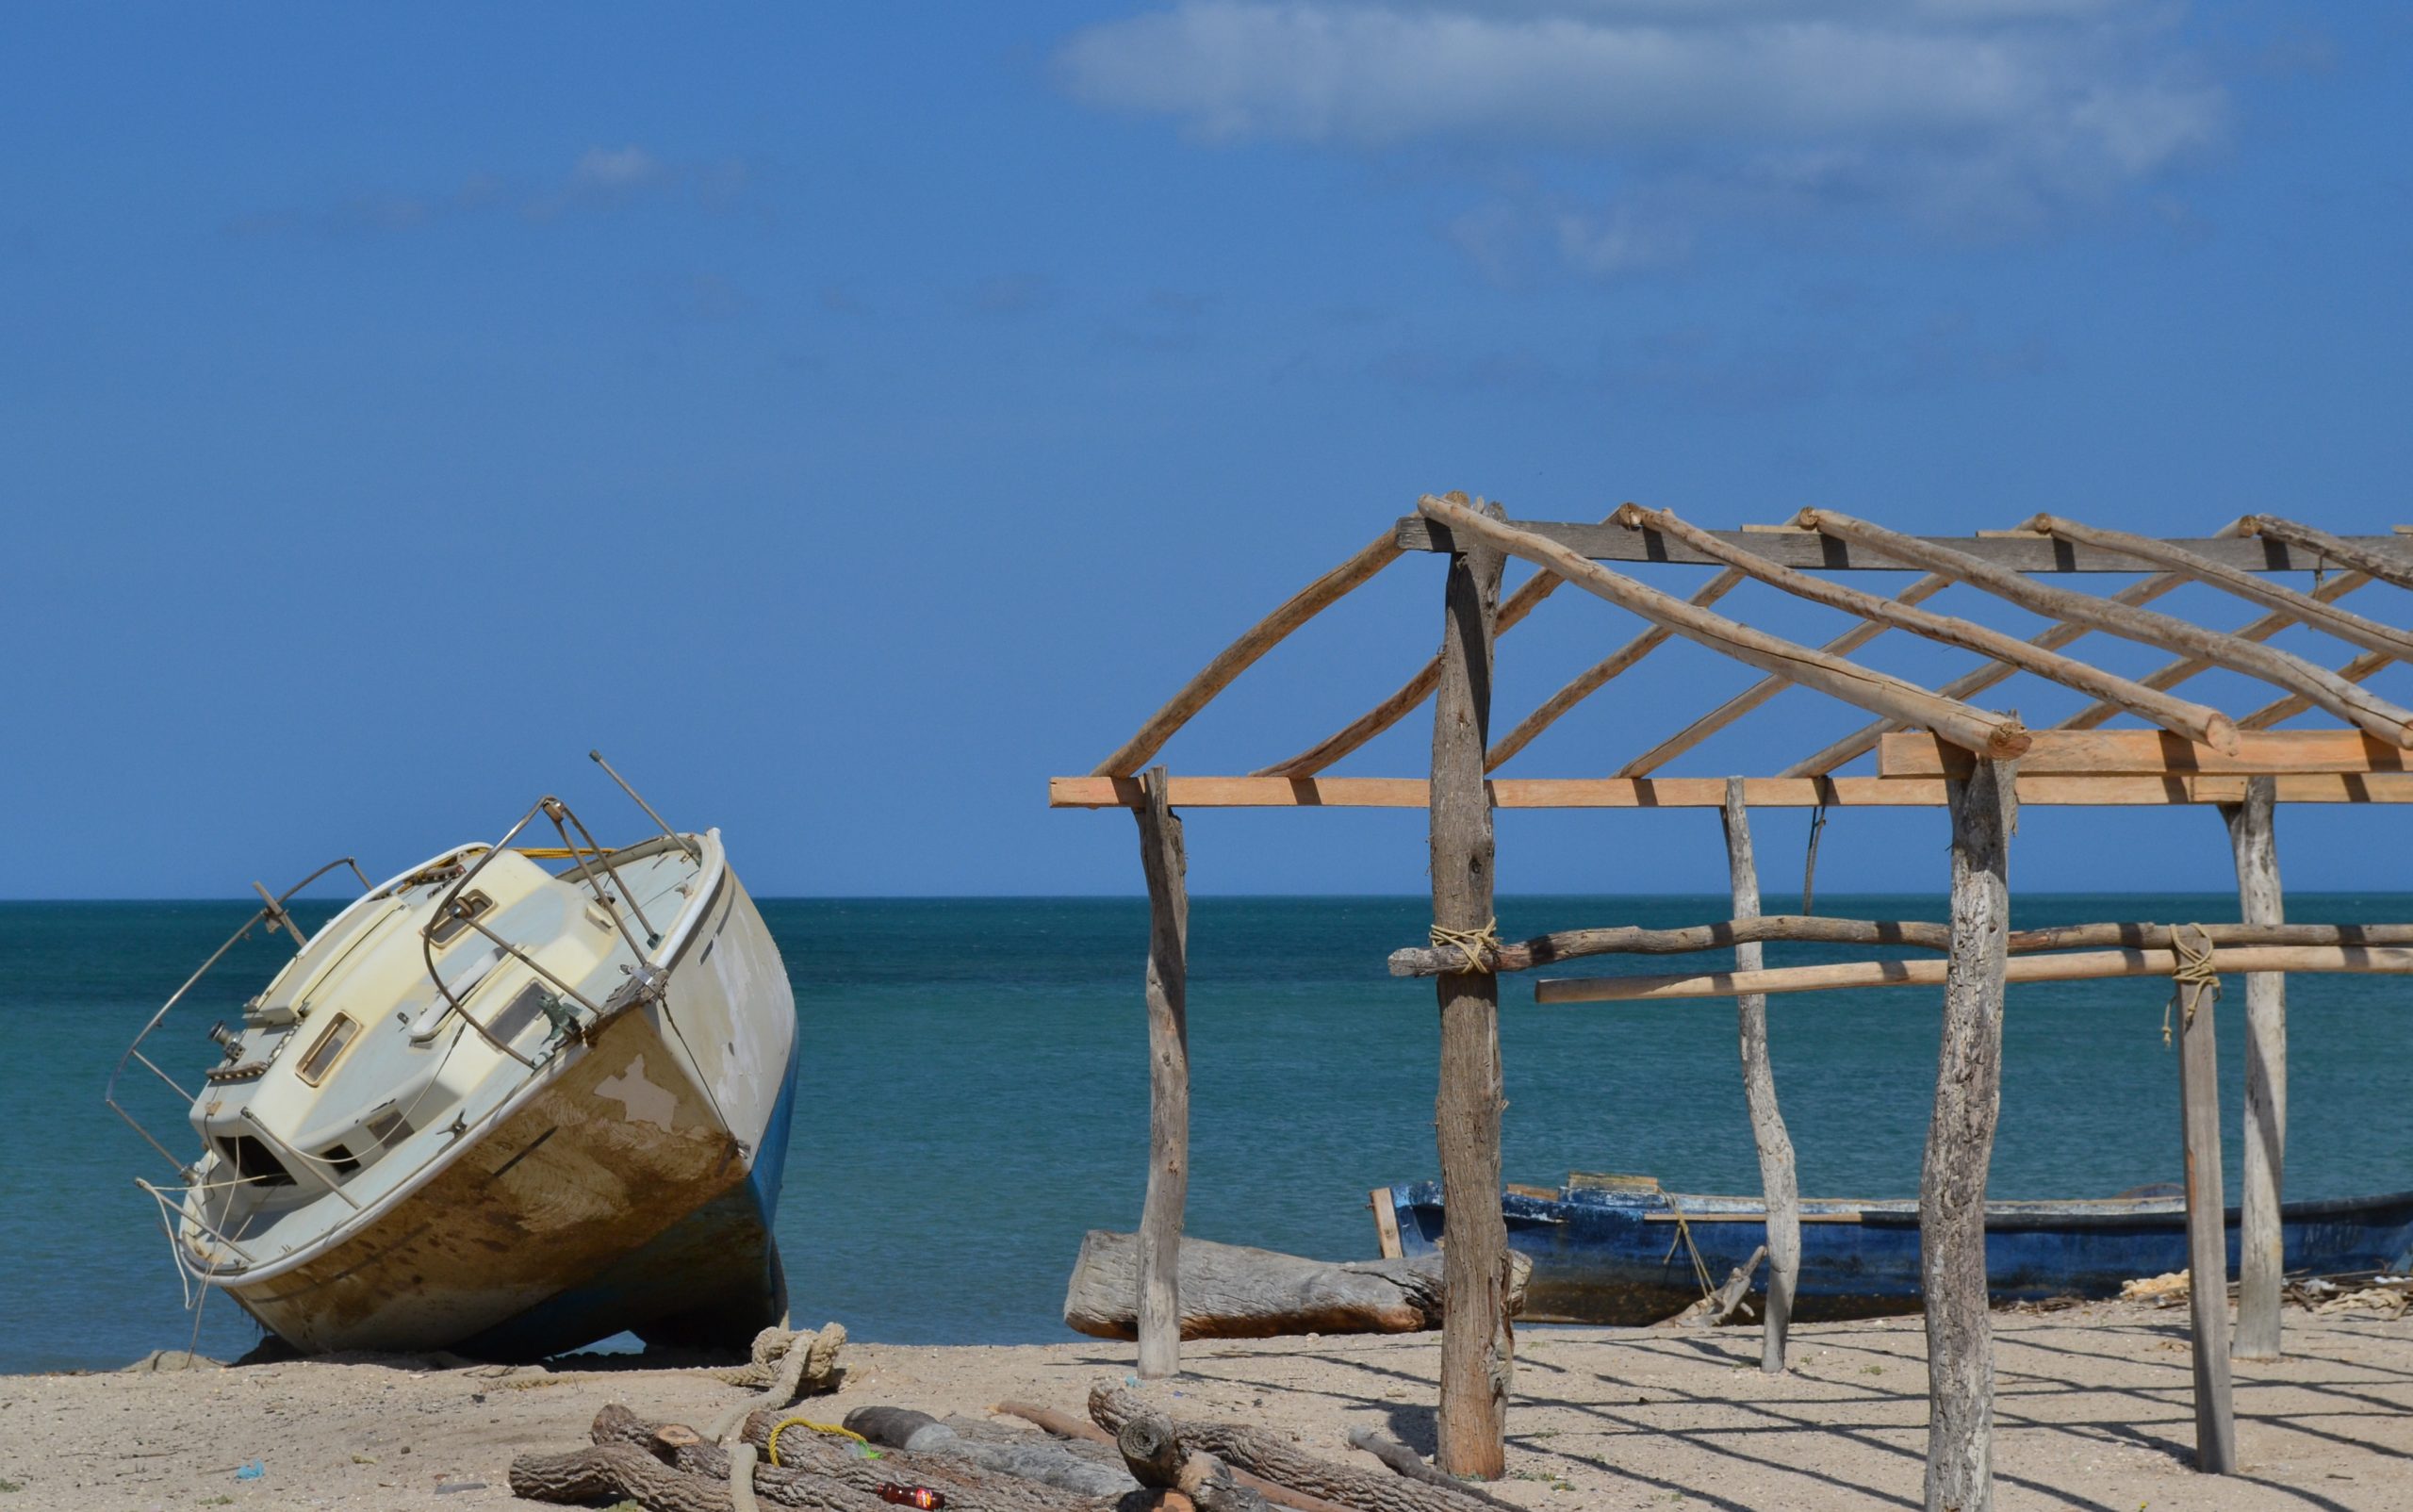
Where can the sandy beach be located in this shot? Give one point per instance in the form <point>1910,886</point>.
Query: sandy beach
<point>2094,1410</point>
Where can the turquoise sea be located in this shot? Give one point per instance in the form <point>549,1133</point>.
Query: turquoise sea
<point>975,1090</point>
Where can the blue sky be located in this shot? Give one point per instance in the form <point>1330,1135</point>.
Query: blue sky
<point>847,417</point>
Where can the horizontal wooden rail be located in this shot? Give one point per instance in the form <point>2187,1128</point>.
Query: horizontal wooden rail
<point>1918,934</point>
<point>2086,966</point>
<point>1710,791</point>
<point>2265,552</point>
<point>2152,752</point>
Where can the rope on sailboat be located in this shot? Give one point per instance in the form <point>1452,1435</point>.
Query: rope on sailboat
<point>2193,975</point>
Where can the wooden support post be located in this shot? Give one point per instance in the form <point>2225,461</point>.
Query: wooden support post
<point>1162,857</point>
<point>1477,1346</point>
<point>2260,1266</point>
<point>2199,1102</point>
<point>1959,1147</point>
<point>1776,1183</point>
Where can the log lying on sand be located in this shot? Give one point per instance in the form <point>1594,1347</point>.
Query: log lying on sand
<point>1231,1291</point>
<point>1276,1458</point>
<point>1159,1460</point>
<point>1029,1456</point>
<point>1064,1425</point>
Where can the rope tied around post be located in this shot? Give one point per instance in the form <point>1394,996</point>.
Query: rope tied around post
<point>2195,972</point>
<point>1479,948</point>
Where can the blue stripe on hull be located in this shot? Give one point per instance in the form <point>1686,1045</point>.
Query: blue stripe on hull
<point>1598,1258</point>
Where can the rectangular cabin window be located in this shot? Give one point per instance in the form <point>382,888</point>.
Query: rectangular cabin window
<point>252,1163</point>
<point>329,1049</point>
<point>388,1126</point>
<point>457,918</point>
<point>522,1011</point>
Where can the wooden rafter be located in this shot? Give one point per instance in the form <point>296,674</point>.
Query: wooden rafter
<point>2347,700</point>
<point>2378,555</point>
<point>2170,674</point>
<point>2192,721</point>
<point>1880,693</point>
<point>2293,705</point>
<point>1594,678</point>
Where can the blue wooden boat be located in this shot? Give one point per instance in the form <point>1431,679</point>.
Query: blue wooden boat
<point>1619,1249</point>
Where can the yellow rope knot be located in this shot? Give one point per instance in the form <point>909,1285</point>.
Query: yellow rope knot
<point>2194,973</point>
<point>1478,948</point>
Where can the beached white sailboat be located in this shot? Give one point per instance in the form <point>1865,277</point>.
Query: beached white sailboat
<point>510,1102</point>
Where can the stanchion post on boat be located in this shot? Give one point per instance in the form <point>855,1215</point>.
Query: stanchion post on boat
<point>683,842</point>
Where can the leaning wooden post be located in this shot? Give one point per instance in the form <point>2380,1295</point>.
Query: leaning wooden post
<point>2252,834</point>
<point>1162,858</point>
<point>1759,1092</point>
<point>2199,1104</point>
<point>1477,1346</point>
<point>1960,1147</point>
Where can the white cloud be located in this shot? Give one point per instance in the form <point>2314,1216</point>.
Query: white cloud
<point>1953,111</point>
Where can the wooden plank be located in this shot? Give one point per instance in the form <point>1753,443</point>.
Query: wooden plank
<point>2192,721</point>
<point>1243,653</point>
<point>1709,792</point>
<point>1769,1137</point>
<point>2346,625</point>
<point>2349,701</point>
<point>2170,674</point>
<point>1386,1243</point>
<point>1592,679</point>
<point>1881,693</point>
<point>1166,862</point>
<point>2261,1263</point>
<point>1477,1350</point>
<point>1960,1148</point>
<point>2088,965</point>
<point>2152,754</point>
<point>1613,542</point>
<point>2051,638</point>
<point>2199,1104</point>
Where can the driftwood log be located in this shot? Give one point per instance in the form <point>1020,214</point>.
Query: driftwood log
<point>1160,1460</point>
<point>1405,1462</point>
<point>1231,1291</point>
<point>1065,1426</point>
<point>625,1472</point>
<point>1027,1455</point>
<point>1277,1459</point>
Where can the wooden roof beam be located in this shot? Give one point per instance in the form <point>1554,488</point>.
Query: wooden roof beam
<point>2140,791</point>
<point>2170,674</point>
<point>2351,628</point>
<point>2379,556</point>
<point>2293,705</point>
<point>1243,653</point>
<point>1992,734</point>
<point>2191,721</point>
<point>2347,700</point>
<point>2052,638</point>
<point>1592,679</point>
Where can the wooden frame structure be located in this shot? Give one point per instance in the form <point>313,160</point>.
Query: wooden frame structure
<point>1933,748</point>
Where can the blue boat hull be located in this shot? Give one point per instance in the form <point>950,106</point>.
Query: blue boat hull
<point>1617,1253</point>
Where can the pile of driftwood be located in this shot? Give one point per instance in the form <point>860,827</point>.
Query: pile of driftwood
<point>1129,1457</point>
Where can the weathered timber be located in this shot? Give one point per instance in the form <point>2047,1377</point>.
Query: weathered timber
<point>624,1471</point>
<point>2271,553</point>
<point>2152,753</point>
<point>1960,1149</point>
<point>1598,676</point>
<point>1880,693</point>
<point>2051,638</point>
<point>805,1457</point>
<point>1028,1457</point>
<point>1064,1425</point>
<point>2090,965</point>
<point>1409,694</point>
<point>2347,626</point>
<point>2349,701</point>
<point>2170,674</point>
<point>2261,1269</point>
<point>1159,1459</point>
<point>1405,1462</point>
<point>1769,1134</point>
<point>2199,1104</point>
<point>2191,721</point>
<point>1274,1458</point>
<point>1709,792</point>
<point>1769,687</point>
<point>2295,704</point>
<point>2384,557</point>
<point>1231,1291</point>
<point>1569,945</point>
<point>1720,1306</point>
<point>1243,653</point>
<point>1166,863</point>
<point>1477,1342</point>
